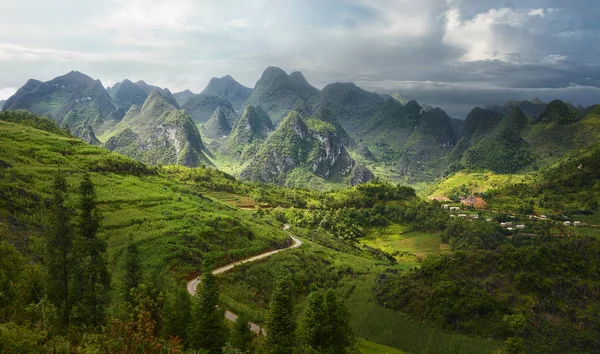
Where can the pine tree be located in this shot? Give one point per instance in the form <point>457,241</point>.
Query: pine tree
<point>59,244</point>
<point>177,313</point>
<point>326,326</point>
<point>342,338</point>
<point>133,269</point>
<point>314,329</point>
<point>242,336</point>
<point>207,327</point>
<point>92,280</point>
<point>281,324</point>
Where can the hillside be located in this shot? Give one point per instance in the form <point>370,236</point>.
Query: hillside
<point>158,133</point>
<point>183,96</point>
<point>253,127</point>
<point>300,147</point>
<point>74,100</point>
<point>202,106</point>
<point>278,93</point>
<point>217,126</point>
<point>227,88</point>
<point>126,94</point>
<point>173,226</point>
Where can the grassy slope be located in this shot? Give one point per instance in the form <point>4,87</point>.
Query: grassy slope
<point>175,227</point>
<point>404,243</point>
<point>353,272</point>
<point>476,182</point>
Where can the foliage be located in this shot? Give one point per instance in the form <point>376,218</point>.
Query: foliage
<point>59,259</point>
<point>241,337</point>
<point>207,328</point>
<point>281,322</point>
<point>91,283</point>
<point>325,325</point>
<point>546,294</point>
<point>27,118</point>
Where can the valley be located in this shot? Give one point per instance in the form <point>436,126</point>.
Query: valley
<point>437,235</point>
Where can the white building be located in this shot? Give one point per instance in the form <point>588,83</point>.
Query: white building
<point>567,223</point>
<point>577,223</point>
<point>462,215</point>
<point>520,227</point>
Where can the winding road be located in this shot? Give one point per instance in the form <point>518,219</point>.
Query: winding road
<point>193,284</point>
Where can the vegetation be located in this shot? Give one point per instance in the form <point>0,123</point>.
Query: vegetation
<point>545,294</point>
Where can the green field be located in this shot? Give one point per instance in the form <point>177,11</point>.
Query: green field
<point>397,240</point>
<point>366,347</point>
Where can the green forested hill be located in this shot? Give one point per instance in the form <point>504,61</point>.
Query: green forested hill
<point>174,227</point>
<point>158,133</point>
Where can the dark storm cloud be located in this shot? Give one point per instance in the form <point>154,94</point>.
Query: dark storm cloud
<point>451,53</point>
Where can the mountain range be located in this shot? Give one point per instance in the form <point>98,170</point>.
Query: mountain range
<point>286,131</point>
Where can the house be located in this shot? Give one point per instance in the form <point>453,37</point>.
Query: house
<point>520,227</point>
<point>510,229</point>
<point>567,223</point>
<point>503,224</point>
<point>577,223</point>
<point>508,223</point>
<point>474,216</point>
<point>446,206</point>
<point>462,215</point>
<point>543,217</point>
<point>454,208</point>
<point>488,220</point>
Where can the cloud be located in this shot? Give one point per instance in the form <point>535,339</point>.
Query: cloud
<point>6,92</point>
<point>483,49</point>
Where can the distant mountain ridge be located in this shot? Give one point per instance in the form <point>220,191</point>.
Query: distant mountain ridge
<point>278,93</point>
<point>226,87</point>
<point>74,99</point>
<point>400,138</point>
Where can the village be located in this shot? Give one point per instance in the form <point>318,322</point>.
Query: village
<point>475,208</point>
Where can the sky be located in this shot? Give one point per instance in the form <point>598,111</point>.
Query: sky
<point>455,54</point>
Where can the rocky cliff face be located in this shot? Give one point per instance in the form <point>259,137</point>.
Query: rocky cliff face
<point>158,133</point>
<point>360,174</point>
<point>87,134</point>
<point>296,145</point>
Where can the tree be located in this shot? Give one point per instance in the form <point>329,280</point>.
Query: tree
<point>177,313</point>
<point>242,336</point>
<point>326,326</point>
<point>207,327</point>
<point>281,324</point>
<point>59,244</point>
<point>92,280</point>
<point>133,269</point>
<point>342,338</point>
<point>314,328</point>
